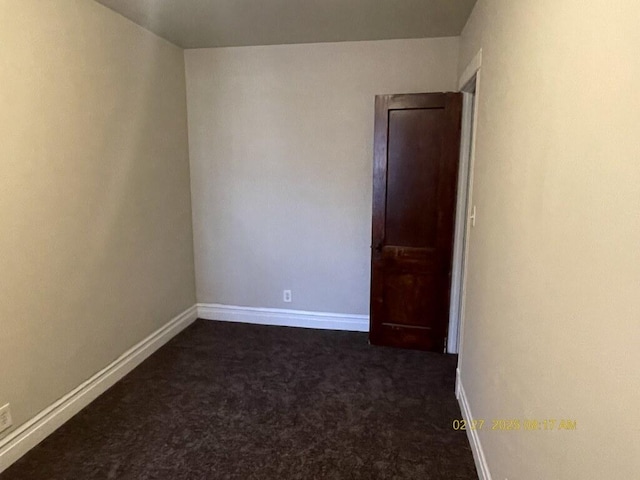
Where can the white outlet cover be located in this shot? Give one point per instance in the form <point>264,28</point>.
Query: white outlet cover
<point>5,418</point>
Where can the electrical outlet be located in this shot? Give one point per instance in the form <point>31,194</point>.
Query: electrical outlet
<point>5,418</point>
<point>286,296</point>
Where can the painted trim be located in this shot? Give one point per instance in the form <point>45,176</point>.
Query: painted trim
<point>284,318</point>
<point>469,86</point>
<point>28,435</point>
<point>474,65</point>
<point>474,438</point>
<point>471,203</point>
<point>461,223</point>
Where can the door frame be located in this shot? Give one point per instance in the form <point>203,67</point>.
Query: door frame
<point>469,85</point>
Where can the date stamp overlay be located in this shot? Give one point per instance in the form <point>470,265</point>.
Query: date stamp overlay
<point>514,424</point>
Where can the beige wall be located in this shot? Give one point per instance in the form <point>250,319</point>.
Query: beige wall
<point>281,165</point>
<point>95,220</point>
<point>553,324</point>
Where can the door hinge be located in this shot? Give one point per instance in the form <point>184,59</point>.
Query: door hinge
<point>445,344</point>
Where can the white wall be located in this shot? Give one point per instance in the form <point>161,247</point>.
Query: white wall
<point>553,325</point>
<point>95,221</point>
<point>281,165</point>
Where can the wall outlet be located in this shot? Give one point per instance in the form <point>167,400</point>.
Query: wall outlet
<point>5,418</point>
<point>286,296</point>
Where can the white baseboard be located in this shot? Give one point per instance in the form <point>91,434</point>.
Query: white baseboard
<point>285,318</point>
<point>28,435</point>
<point>474,439</point>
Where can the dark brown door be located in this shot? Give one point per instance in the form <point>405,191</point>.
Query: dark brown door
<point>416,154</point>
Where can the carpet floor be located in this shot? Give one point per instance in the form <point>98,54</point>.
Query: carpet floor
<point>235,401</point>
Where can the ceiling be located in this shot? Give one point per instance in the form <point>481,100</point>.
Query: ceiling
<point>221,23</point>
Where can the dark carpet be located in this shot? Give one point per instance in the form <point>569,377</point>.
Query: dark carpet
<point>234,401</point>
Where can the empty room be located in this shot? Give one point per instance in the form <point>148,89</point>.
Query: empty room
<point>307,239</point>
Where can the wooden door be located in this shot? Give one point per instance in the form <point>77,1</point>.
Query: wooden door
<point>416,155</point>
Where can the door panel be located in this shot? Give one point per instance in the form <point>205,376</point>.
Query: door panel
<point>417,142</point>
<point>408,297</point>
<point>411,219</point>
